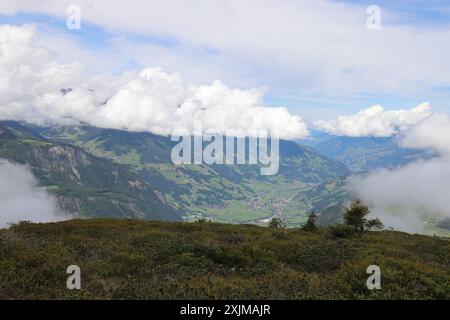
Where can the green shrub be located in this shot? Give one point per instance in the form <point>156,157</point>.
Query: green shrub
<point>341,231</point>
<point>276,223</point>
<point>125,259</point>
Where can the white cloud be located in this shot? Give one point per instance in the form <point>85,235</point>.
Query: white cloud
<point>21,199</point>
<point>311,45</point>
<point>161,103</point>
<point>432,133</point>
<point>375,121</point>
<point>404,196</point>
<point>31,80</point>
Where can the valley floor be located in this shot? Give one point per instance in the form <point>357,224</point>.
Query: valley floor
<point>128,259</point>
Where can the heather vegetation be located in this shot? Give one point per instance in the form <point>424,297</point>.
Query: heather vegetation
<point>129,259</point>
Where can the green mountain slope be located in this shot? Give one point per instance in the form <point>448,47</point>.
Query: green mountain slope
<point>367,153</point>
<point>156,260</point>
<point>137,148</point>
<point>227,193</point>
<point>324,195</point>
<point>84,184</point>
<point>327,199</point>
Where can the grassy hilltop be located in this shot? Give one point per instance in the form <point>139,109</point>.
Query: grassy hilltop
<point>128,259</point>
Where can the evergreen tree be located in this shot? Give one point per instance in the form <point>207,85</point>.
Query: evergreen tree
<point>355,216</point>
<point>310,225</point>
<point>276,223</point>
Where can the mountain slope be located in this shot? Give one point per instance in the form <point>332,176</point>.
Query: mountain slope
<point>139,148</point>
<point>324,195</point>
<point>228,193</point>
<point>307,165</point>
<point>84,184</point>
<point>155,260</point>
<point>368,153</point>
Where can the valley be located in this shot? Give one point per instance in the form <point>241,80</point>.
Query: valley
<point>98,172</point>
<point>222,193</point>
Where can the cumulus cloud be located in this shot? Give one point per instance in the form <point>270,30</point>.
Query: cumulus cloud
<point>375,121</point>
<point>31,80</point>
<point>403,197</point>
<point>431,134</point>
<point>21,199</point>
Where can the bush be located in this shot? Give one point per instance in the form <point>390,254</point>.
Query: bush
<point>341,231</point>
<point>121,259</point>
<point>276,223</point>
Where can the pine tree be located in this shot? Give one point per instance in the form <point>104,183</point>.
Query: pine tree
<point>356,217</point>
<point>310,225</point>
<point>276,223</point>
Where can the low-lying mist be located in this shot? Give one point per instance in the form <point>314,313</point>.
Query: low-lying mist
<point>402,197</point>
<point>21,199</point>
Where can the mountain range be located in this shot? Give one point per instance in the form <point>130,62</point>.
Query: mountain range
<point>96,172</point>
<point>362,154</point>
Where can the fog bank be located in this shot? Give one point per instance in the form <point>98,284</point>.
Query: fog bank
<point>21,199</point>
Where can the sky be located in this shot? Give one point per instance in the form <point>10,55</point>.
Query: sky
<point>347,68</point>
<point>316,58</point>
